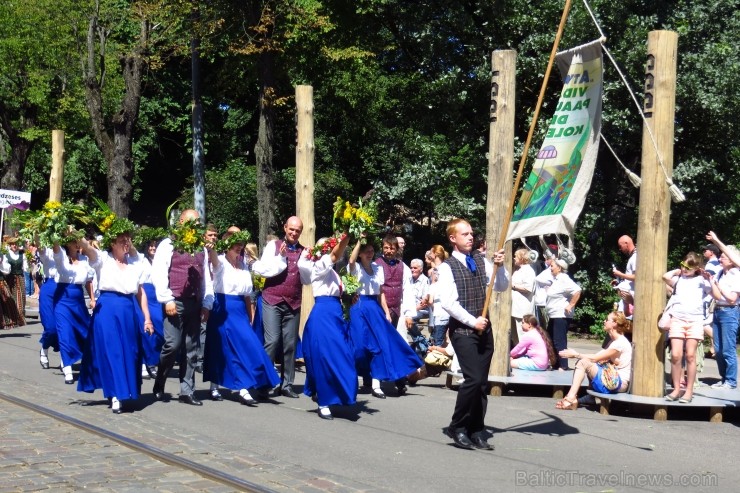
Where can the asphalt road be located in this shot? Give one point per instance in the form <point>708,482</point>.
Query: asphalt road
<point>397,444</point>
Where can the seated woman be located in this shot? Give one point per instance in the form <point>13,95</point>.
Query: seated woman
<point>534,351</point>
<point>619,352</point>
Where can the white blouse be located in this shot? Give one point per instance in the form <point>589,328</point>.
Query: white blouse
<point>228,280</point>
<point>47,260</point>
<point>111,277</point>
<point>69,273</point>
<point>323,278</point>
<point>369,283</point>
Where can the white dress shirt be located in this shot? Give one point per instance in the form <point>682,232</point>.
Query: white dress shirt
<point>161,275</point>
<point>47,260</point>
<point>271,263</point>
<point>448,290</point>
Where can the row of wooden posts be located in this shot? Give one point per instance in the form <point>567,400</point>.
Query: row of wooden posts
<point>654,207</point>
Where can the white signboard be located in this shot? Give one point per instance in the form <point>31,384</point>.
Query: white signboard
<point>13,197</point>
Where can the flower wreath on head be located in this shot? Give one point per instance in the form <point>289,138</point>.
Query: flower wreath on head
<point>113,229</point>
<point>225,244</point>
<point>146,234</point>
<point>187,236</point>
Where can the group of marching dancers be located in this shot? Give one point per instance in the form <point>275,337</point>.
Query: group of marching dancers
<point>128,337</point>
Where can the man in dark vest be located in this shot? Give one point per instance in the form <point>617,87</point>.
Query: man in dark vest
<point>183,285</point>
<point>462,288</point>
<point>281,299</point>
<point>397,275</point>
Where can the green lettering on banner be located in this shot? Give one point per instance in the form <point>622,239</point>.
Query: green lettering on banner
<point>556,132</point>
<point>559,120</point>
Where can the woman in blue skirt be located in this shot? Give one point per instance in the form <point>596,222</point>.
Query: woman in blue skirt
<point>70,311</point>
<point>150,345</point>
<point>378,345</point>
<point>234,357</point>
<point>112,358</point>
<point>49,338</point>
<point>327,347</point>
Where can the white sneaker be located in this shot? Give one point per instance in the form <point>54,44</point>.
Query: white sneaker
<point>718,385</point>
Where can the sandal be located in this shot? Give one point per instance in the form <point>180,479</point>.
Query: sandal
<point>566,405</point>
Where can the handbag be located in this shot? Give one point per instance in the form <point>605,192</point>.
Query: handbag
<point>438,358</point>
<point>609,376</point>
<point>664,321</point>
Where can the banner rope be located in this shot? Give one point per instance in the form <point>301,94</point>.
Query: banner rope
<point>675,192</point>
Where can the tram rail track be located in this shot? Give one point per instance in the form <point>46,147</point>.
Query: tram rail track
<point>201,470</point>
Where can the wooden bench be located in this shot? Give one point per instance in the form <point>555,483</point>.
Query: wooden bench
<point>559,380</point>
<point>704,397</point>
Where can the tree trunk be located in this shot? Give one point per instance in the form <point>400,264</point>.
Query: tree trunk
<point>263,149</point>
<point>199,174</point>
<point>13,165</point>
<point>116,144</point>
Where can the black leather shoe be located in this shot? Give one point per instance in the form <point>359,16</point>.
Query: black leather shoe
<point>325,416</point>
<point>378,393</point>
<point>216,395</point>
<point>401,390</point>
<point>69,379</point>
<point>152,370</point>
<point>117,411</point>
<point>480,443</point>
<point>189,399</point>
<point>461,439</point>
<point>158,391</point>
<point>44,364</point>
<point>288,392</point>
<point>247,401</point>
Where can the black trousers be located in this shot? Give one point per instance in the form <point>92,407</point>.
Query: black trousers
<point>474,351</point>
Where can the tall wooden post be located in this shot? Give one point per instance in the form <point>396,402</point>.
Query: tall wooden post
<point>304,184</point>
<point>56,179</point>
<point>500,171</point>
<point>655,201</point>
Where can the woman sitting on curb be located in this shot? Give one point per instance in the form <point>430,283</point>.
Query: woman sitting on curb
<point>619,352</point>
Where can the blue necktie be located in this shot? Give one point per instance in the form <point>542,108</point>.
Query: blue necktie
<point>292,248</point>
<point>470,262</point>
<point>392,262</point>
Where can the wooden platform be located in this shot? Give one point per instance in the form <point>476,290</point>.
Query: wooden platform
<point>715,400</point>
<point>559,380</point>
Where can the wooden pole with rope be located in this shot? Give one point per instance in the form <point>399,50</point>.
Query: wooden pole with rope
<point>525,152</point>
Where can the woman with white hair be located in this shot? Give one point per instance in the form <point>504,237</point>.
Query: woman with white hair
<point>522,290</point>
<point>562,296</point>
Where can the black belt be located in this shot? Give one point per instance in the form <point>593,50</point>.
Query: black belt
<point>469,332</point>
<point>725,307</point>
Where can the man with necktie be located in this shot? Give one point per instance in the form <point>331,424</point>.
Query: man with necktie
<point>463,279</point>
<point>281,299</point>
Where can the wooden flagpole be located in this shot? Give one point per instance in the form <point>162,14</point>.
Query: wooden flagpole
<point>532,126</point>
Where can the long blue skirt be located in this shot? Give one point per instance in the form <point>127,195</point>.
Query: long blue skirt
<point>72,320</point>
<point>151,344</point>
<point>49,337</point>
<point>112,358</point>
<point>327,351</point>
<point>378,344</point>
<point>233,356</point>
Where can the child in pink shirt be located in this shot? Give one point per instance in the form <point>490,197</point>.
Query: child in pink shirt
<point>534,351</point>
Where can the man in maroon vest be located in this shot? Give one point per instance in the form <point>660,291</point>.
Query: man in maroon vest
<point>397,275</point>
<point>183,285</point>
<point>281,299</point>
<point>461,286</point>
